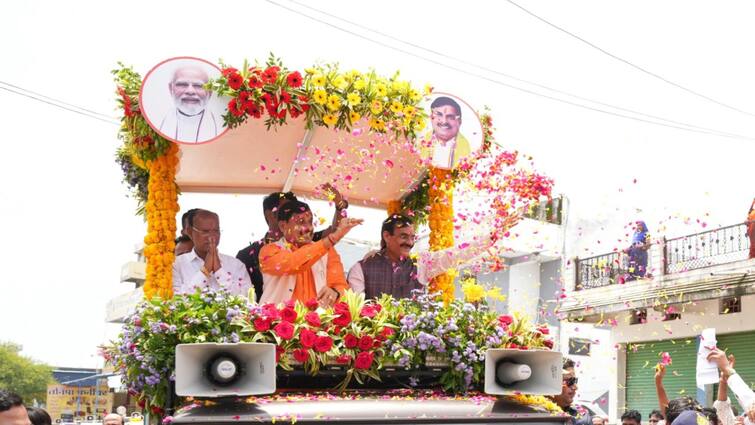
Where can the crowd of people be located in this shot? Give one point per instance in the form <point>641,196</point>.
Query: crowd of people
<point>679,411</point>
<point>295,262</point>
<point>13,412</point>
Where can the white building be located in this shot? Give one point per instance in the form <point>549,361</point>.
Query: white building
<point>617,332</point>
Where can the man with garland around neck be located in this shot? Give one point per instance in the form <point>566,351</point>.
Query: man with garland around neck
<point>298,269</point>
<point>393,271</point>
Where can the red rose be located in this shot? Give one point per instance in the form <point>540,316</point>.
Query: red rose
<point>294,79</point>
<point>365,343</point>
<point>368,311</point>
<point>157,410</point>
<point>262,324</point>
<point>364,360</point>
<point>343,359</point>
<point>350,341</point>
<point>336,330</point>
<point>233,108</point>
<point>285,330</point>
<point>323,344</point>
<point>278,353</point>
<point>307,338</point>
<point>343,319</point>
<point>270,311</point>
<point>235,80</point>
<point>386,332</point>
<point>141,403</point>
<point>548,343</point>
<point>313,319</point>
<point>285,97</point>
<point>312,304</point>
<point>301,355</point>
<point>377,343</point>
<point>254,81</point>
<point>341,307</point>
<point>378,307</point>
<point>228,71</point>
<point>544,330</point>
<point>289,315</point>
<point>505,320</point>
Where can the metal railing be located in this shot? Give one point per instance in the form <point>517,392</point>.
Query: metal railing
<point>691,252</point>
<point>719,246</point>
<point>600,270</point>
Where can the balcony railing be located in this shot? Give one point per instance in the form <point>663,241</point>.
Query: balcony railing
<point>600,270</point>
<point>719,246</point>
<point>691,252</point>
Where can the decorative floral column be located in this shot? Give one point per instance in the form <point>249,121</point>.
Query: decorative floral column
<point>161,210</point>
<point>441,222</point>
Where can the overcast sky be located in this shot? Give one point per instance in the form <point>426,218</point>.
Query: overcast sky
<point>68,227</point>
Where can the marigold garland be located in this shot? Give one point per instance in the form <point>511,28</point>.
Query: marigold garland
<point>161,210</point>
<point>441,221</point>
<point>539,401</point>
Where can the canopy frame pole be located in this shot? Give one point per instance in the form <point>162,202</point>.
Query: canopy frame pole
<point>305,142</point>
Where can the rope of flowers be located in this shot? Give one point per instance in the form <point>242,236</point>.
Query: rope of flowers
<point>361,335</point>
<point>161,210</point>
<point>441,221</point>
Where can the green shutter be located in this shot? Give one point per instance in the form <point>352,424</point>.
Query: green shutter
<point>742,345</point>
<point>640,380</point>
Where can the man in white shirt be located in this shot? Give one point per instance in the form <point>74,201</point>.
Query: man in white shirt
<point>204,266</point>
<point>191,121</point>
<point>745,395</point>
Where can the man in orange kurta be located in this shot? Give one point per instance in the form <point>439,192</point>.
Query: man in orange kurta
<point>295,268</point>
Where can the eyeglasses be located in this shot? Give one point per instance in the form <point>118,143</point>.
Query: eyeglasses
<point>571,381</point>
<point>215,232</point>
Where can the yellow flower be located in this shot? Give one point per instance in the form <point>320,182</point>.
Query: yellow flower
<point>360,84</point>
<point>396,107</point>
<point>318,80</point>
<point>472,291</point>
<point>320,96</point>
<point>414,95</point>
<point>334,102</point>
<point>354,99</point>
<point>310,71</point>
<point>409,110</point>
<point>330,119</point>
<point>354,117</point>
<point>381,90</point>
<point>419,123</point>
<point>376,107</point>
<point>495,294</point>
<point>340,82</point>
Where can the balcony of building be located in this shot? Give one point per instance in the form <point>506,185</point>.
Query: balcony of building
<point>700,266</point>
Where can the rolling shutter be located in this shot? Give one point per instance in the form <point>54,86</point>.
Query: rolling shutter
<point>640,378</point>
<point>742,345</point>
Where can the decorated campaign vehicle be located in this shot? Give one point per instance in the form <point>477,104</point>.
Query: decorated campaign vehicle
<point>193,126</point>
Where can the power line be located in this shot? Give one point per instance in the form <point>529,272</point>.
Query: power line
<point>637,67</point>
<point>493,71</point>
<point>58,101</point>
<point>60,104</point>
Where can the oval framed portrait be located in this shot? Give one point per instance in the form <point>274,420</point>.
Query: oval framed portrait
<point>176,104</point>
<point>455,131</point>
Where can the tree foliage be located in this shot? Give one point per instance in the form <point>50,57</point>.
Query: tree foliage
<point>22,375</point>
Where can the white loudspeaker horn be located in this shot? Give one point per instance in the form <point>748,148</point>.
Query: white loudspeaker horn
<point>222,370</point>
<point>522,372</point>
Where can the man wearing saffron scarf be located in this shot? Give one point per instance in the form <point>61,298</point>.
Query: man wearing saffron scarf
<point>296,268</point>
